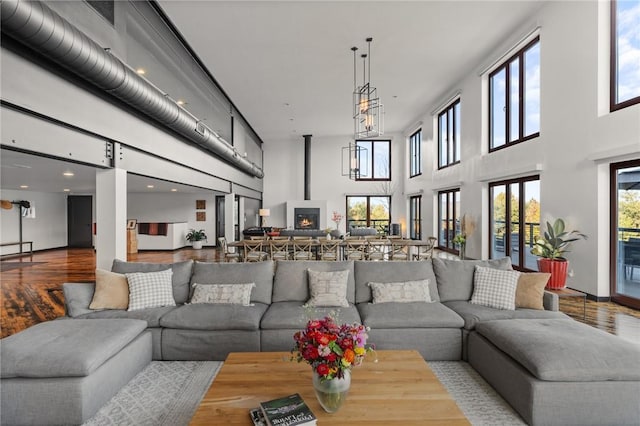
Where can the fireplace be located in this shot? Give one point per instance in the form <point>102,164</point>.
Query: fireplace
<point>307,218</point>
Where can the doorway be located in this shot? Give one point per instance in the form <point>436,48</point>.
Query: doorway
<point>625,233</point>
<point>220,216</point>
<point>79,220</point>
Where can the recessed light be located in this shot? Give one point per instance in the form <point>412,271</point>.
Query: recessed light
<point>149,186</point>
<point>24,186</point>
<point>141,71</point>
<point>174,190</point>
<point>68,174</point>
<point>66,190</point>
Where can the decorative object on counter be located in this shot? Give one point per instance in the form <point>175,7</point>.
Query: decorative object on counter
<point>264,214</point>
<point>196,238</point>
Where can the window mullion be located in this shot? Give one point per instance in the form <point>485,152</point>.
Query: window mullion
<point>507,103</point>
<point>521,84</point>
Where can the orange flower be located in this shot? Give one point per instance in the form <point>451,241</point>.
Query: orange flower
<point>349,355</point>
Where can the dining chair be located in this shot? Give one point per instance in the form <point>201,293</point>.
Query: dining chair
<point>377,248</point>
<point>399,250</point>
<point>303,249</point>
<point>253,251</point>
<point>426,251</point>
<point>355,249</point>
<point>229,256</point>
<point>329,249</point>
<point>279,249</point>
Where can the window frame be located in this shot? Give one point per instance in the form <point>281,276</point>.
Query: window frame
<point>452,142</point>
<point>371,156</point>
<point>520,56</point>
<point>448,245</point>
<point>613,64</point>
<point>368,209</point>
<point>522,250</point>
<point>415,217</point>
<point>415,154</point>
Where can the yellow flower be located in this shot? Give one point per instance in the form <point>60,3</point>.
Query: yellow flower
<point>360,351</point>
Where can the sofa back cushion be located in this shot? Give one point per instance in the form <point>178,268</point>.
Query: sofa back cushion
<point>391,272</point>
<point>180,279</point>
<point>291,283</point>
<point>455,277</point>
<point>260,273</point>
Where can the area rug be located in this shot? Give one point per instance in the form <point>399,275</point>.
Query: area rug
<point>10,266</point>
<point>167,393</point>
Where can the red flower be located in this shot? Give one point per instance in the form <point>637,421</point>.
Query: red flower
<point>322,369</point>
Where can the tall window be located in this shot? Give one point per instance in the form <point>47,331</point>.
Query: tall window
<point>375,160</point>
<point>514,98</point>
<point>448,218</point>
<point>625,51</point>
<point>415,217</point>
<point>369,211</point>
<point>449,135</point>
<point>415,154</point>
<point>515,220</point>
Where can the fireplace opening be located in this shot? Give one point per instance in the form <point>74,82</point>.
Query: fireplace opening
<point>307,218</point>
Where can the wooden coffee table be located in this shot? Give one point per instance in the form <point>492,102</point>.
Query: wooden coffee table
<point>398,389</point>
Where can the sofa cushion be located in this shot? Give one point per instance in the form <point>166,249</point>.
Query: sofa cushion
<point>151,316</point>
<point>293,316</point>
<point>112,291</point>
<point>388,272</point>
<point>150,290</point>
<point>408,315</point>
<point>495,288</point>
<point>260,273</point>
<point>474,314</point>
<point>65,348</point>
<point>530,290</point>
<point>180,279</point>
<point>77,298</point>
<point>237,294</point>
<point>401,292</point>
<point>564,351</point>
<point>291,282</point>
<point>215,317</point>
<point>455,277</point>
<point>328,288</point>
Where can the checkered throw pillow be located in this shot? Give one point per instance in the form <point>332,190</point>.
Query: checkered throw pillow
<point>150,289</point>
<point>495,288</point>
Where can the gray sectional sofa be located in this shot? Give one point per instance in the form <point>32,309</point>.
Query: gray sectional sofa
<point>494,341</point>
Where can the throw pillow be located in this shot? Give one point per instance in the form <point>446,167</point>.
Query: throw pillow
<point>112,291</point>
<point>150,289</point>
<point>403,292</point>
<point>236,294</point>
<point>530,290</point>
<point>328,288</point>
<point>495,288</point>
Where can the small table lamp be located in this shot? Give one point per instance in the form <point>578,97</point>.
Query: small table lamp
<point>264,213</point>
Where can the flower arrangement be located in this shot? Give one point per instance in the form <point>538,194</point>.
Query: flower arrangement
<point>336,218</point>
<point>329,348</point>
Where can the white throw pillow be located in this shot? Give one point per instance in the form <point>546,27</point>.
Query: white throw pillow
<point>495,288</point>
<point>236,294</point>
<point>150,289</point>
<point>328,288</point>
<point>403,292</point>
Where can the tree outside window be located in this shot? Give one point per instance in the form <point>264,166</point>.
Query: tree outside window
<point>369,211</point>
<point>448,219</point>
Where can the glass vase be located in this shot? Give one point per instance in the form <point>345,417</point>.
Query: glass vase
<point>332,393</point>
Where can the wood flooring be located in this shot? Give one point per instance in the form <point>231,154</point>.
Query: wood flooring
<point>32,294</point>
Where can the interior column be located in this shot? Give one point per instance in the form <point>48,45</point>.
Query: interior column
<point>111,216</point>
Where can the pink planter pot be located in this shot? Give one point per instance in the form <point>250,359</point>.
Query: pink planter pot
<point>558,271</point>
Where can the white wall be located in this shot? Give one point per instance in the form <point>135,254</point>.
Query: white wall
<point>173,207</point>
<point>284,177</point>
<point>47,230</point>
<point>578,138</point>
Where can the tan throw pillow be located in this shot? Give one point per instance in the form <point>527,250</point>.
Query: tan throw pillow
<point>328,288</point>
<point>236,294</point>
<point>403,292</point>
<point>530,290</point>
<point>112,291</point>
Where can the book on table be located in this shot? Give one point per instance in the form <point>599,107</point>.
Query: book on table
<point>290,410</point>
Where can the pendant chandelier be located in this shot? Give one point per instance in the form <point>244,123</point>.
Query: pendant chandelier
<point>368,117</point>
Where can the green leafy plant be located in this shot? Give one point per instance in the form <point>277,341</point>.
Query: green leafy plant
<point>194,235</point>
<point>555,241</point>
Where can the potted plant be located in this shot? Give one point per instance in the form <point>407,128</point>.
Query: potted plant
<point>196,238</point>
<point>551,247</point>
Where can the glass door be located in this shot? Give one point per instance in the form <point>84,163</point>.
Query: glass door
<point>625,238</point>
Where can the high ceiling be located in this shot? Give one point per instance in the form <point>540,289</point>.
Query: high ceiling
<point>288,67</point>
